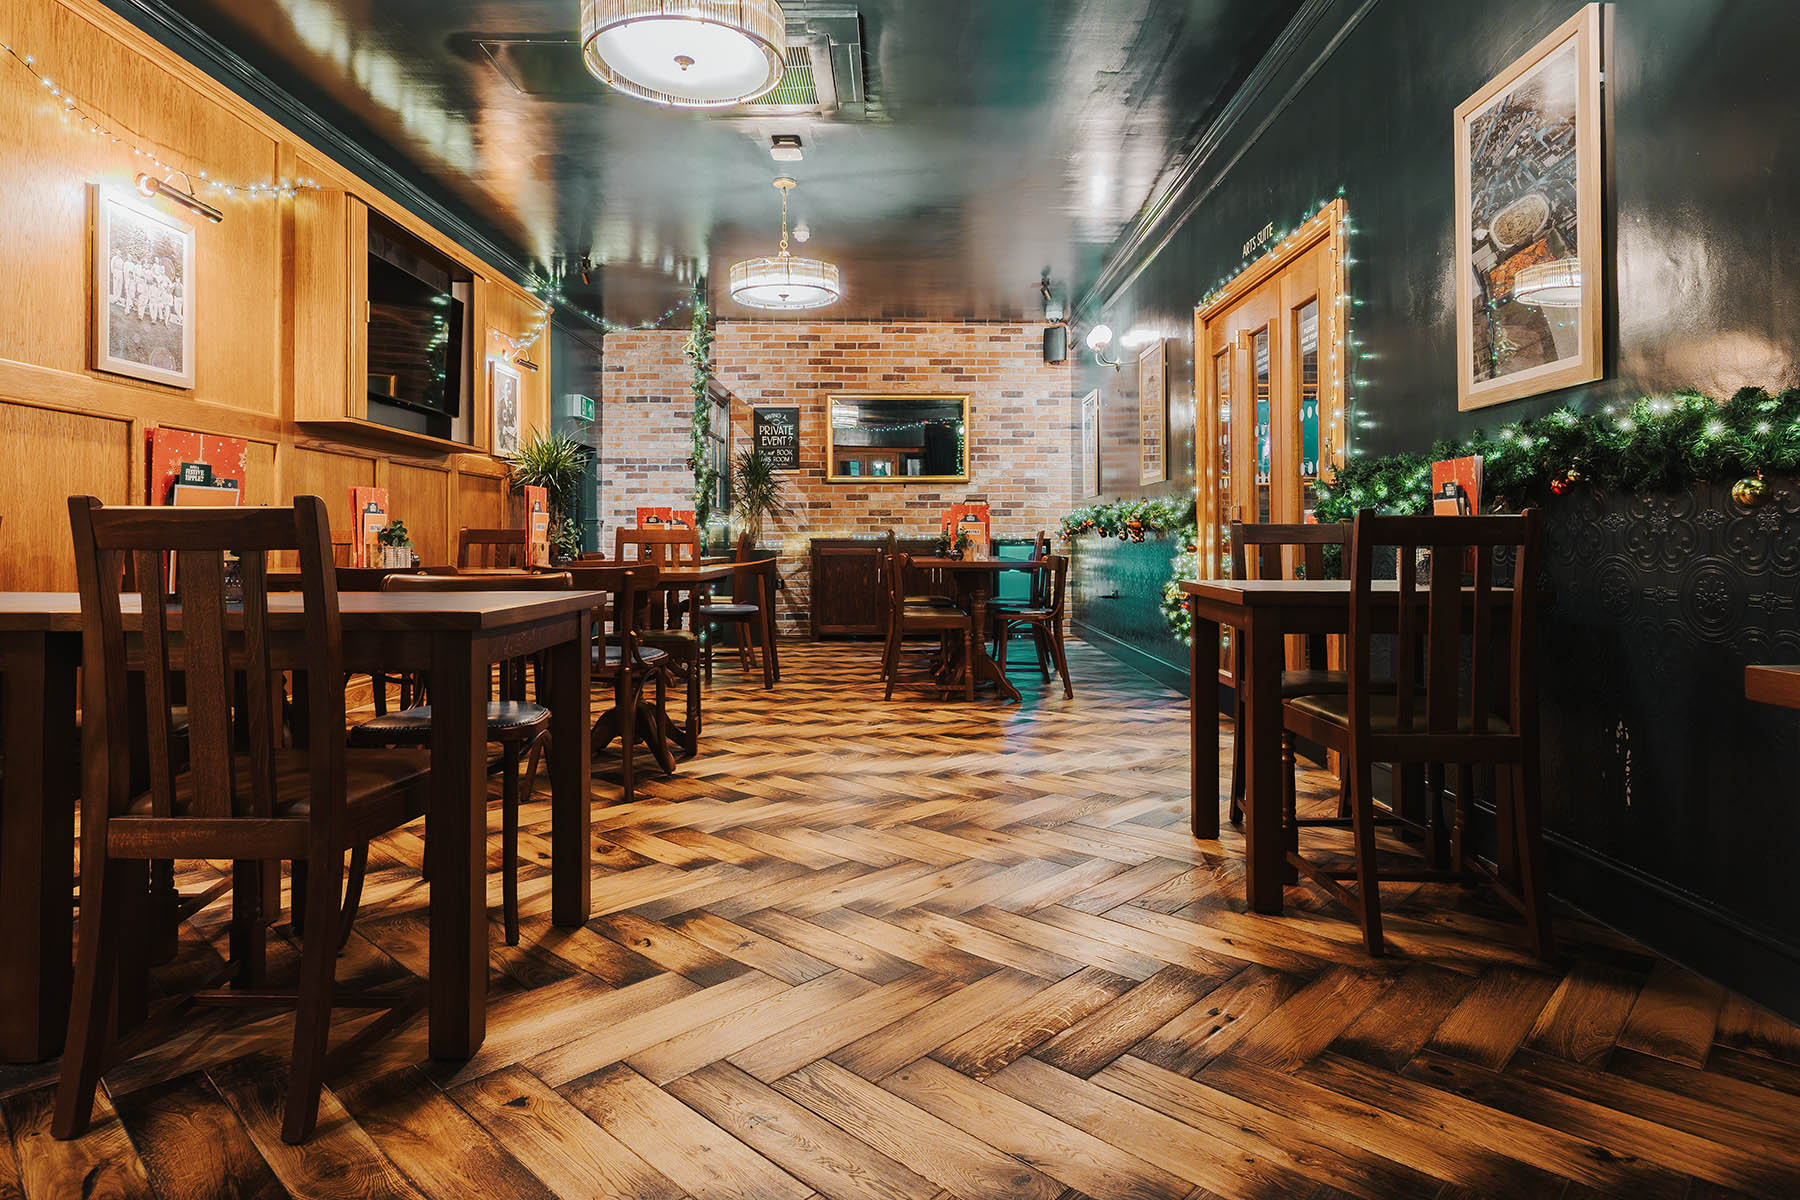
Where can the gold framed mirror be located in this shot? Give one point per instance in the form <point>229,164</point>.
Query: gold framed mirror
<point>884,438</point>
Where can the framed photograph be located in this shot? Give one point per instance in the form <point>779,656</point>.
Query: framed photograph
<point>1090,444</point>
<point>143,291</point>
<point>1529,264</point>
<point>1153,413</point>
<point>503,390</point>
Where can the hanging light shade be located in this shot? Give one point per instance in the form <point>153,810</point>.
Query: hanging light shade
<point>782,281</point>
<point>686,53</point>
<point>1554,284</point>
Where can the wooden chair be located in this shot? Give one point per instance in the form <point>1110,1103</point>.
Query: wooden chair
<point>946,623</point>
<point>257,805</point>
<point>1272,542</point>
<point>1436,713</point>
<point>622,658</point>
<point>658,546</point>
<point>1046,623</point>
<point>489,547</point>
<point>517,725</point>
<point>752,603</point>
<point>940,587</point>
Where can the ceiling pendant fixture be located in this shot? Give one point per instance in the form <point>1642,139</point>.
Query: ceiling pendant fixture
<point>784,281</point>
<point>686,53</point>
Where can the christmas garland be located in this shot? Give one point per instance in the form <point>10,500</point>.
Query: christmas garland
<point>699,353</point>
<point>1130,520</point>
<point>1656,443</point>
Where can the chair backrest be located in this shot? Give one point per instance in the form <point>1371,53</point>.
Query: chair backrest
<point>1270,542</point>
<point>1452,610</point>
<point>1055,585</point>
<point>196,638</point>
<point>496,547</point>
<point>534,581</point>
<point>1040,549</point>
<point>666,546</point>
<point>630,585</point>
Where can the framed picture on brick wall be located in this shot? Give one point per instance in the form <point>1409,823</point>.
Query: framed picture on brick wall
<point>1153,413</point>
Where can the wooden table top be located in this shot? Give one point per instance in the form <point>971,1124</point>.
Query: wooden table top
<point>1300,592</point>
<point>710,570</point>
<point>1767,684</point>
<point>60,612</point>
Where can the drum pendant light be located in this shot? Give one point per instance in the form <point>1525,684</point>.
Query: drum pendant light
<point>686,53</point>
<point>783,281</point>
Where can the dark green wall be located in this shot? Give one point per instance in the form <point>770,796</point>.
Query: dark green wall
<point>1704,271</point>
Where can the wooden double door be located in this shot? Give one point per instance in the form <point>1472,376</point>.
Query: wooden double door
<point>1271,358</point>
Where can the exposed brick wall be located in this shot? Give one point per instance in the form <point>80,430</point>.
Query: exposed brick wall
<point>647,412</point>
<point>1022,414</point>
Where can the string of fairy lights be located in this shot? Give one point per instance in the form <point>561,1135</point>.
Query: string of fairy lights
<point>91,117</point>
<point>156,158</point>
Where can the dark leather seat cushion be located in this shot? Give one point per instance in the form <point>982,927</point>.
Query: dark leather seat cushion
<point>931,601</point>
<point>724,612</point>
<point>1314,683</point>
<point>648,655</point>
<point>367,774</point>
<point>412,726</point>
<point>1384,714</point>
<point>925,618</point>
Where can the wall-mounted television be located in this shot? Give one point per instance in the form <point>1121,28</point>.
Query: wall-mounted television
<point>418,335</point>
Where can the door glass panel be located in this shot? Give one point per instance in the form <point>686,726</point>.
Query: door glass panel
<point>1306,320</point>
<point>1222,376</point>
<point>1259,360</point>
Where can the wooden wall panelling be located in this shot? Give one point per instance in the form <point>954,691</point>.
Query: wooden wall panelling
<point>420,496</point>
<point>52,455</point>
<point>481,501</point>
<point>504,311</point>
<point>322,296</point>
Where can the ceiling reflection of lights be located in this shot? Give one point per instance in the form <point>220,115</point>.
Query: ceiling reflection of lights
<point>686,53</point>
<point>783,281</point>
<point>1138,338</point>
<point>1550,285</point>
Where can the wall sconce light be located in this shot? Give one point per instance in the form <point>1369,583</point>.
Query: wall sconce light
<point>148,185</point>
<point>1098,339</point>
<point>522,361</point>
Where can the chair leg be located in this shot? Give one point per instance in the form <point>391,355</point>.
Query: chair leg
<point>1062,662</point>
<point>1041,642</point>
<point>627,699</point>
<point>312,1019</point>
<point>1437,845</point>
<point>107,885</point>
<point>1237,759</point>
<point>1529,823</point>
<point>297,896</point>
<point>1290,806</point>
<point>1000,644</point>
<point>509,839</point>
<point>706,651</point>
<point>1465,800</point>
<point>968,669</point>
<point>353,890</point>
<point>1362,815</point>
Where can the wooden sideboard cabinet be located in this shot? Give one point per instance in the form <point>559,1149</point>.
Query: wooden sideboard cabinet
<point>846,597</point>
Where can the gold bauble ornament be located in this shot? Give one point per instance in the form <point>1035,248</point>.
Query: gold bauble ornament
<point>1751,492</point>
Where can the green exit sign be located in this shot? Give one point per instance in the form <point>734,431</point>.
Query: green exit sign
<point>577,408</point>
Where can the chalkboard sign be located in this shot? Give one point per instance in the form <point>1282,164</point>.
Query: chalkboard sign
<point>777,434</point>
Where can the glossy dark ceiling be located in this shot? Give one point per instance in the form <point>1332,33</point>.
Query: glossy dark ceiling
<point>1000,139</point>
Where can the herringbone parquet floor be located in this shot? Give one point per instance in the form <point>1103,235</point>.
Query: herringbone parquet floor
<point>924,950</point>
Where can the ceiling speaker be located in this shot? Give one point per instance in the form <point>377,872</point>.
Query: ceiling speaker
<point>1056,345</point>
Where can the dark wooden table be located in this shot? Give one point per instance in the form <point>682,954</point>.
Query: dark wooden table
<point>974,579</point>
<point>456,636</point>
<point>712,570</point>
<point>1777,685</point>
<point>1264,613</point>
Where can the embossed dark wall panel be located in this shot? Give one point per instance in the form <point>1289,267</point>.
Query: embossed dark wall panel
<point>1661,599</point>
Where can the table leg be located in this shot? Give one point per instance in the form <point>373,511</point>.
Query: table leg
<point>37,842</point>
<point>1264,658</point>
<point>771,624</point>
<point>985,668</point>
<point>1203,725</point>
<point>570,777</point>
<point>457,846</point>
<point>765,598</point>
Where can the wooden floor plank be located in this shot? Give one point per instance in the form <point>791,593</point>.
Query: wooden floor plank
<point>192,1144</point>
<point>994,1043</point>
<point>701,1158</point>
<point>1675,1016</point>
<point>788,1050</point>
<point>439,1146</point>
<point>104,1163</point>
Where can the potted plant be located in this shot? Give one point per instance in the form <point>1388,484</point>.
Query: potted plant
<point>396,546</point>
<point>758,492</point>
<point>554,462</point>
<point>953,545</point>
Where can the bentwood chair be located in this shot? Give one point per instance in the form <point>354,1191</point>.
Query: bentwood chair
<point>949,624</point>
<point>243,795</point>
<point>674,653</point>
<point>1045,623</point>
<point>1438,711</point>
<point>659,546</point>
<point>1276,546</point>
<point>491,547</point>
<point>938,597</point>
<point>517,725</point>
<point>751,605</point>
